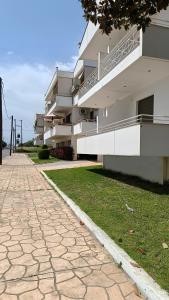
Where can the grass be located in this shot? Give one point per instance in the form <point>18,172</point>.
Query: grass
<point>36,160</point>
<point>27,149</point>
<point>103,196</point>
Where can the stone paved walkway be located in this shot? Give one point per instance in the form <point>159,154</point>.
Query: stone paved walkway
<point>45,253</point>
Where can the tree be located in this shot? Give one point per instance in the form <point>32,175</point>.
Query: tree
<point>117,14</point>
<point>29,143</point>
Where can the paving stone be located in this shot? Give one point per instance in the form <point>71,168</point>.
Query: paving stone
<point>2,249</point>
<point>25,259</point>
<point>115,293</point>
<point>18,287</point>
<point>119,278</point>
<point>51,256</point>
<point>60,264</point>
<point>127,288</point>
<point>4,265</point>
<point>52,296</point>
<point>83,272</point>
<point>96,293</point>
<point>68,242</point>
<point>8,297</point>
<point>70,256</point>
<point>15,272</point>
<point>47,286</point>
<point>15,254</point>
<point>133,296</point>
<point>110,269</point>
<point>98,278</point>
<point>58,251</point>
<point>64,276</point>
<point>33,295</point>
<point>72,288</point>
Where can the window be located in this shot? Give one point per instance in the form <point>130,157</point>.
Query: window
<point>146,107</point>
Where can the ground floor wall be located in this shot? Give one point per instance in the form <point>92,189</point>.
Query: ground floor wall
<point>154,169</point>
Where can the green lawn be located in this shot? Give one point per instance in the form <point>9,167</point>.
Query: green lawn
<point>36,160</point>
<point>103,196</point>
<point>27,149</point>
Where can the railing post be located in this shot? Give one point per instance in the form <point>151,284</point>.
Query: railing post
<point>97,120</point>
<point>101,56</point>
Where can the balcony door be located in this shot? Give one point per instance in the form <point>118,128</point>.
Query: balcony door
<point>146,107</point>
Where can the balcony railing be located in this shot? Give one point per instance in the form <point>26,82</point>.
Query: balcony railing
<point>90,81</point>
<point>132,121</point>
<point>126,45</point>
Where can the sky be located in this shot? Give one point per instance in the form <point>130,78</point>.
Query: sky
<point>36,37</point>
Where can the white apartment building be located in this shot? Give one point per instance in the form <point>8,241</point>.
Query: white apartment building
<point>128,87</point>
<point>39,130</point>
<point>64,120</point>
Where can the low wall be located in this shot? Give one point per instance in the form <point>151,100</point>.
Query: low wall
<point>148,168</point>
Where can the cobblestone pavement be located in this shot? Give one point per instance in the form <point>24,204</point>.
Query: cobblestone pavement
<point>45,253</point>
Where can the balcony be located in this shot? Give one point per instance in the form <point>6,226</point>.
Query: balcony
<point>58,131</point>
<point>84,126</point>
<point>130,66</point>
<point>38,140</point>
<point>60,103</point>
<point>141,135</point>
<point>39,129</point>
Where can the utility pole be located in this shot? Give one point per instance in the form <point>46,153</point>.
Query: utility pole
<point>0,121</point>
<point>13,148</point>
<point>15,133</point>
<point>11,135</point>
<point>21,133</point>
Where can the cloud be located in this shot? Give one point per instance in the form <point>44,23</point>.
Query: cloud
<point>24,89</point>
<point>69,66</point>
<point>10,52</point>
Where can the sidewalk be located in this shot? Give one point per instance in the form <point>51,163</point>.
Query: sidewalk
<point>45,253</point>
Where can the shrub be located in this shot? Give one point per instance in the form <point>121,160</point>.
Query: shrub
<point>43,154</point>
<point>44,147</point>
<point>65,153</point>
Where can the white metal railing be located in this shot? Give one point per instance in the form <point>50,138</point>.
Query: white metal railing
<point>138,119</point>
<point>125,46</point>
<point>90,81</point>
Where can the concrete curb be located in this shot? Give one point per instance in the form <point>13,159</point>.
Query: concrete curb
<point>148,287</point>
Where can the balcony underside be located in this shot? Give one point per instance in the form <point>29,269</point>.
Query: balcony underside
<point>138,140</point>
<point>82,127</point>
<point>62,104</point>
<point>132,75</point>
<point>59,131</point>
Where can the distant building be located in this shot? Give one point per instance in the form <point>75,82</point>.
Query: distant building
<point>39,130</point>
<point>64,120</point>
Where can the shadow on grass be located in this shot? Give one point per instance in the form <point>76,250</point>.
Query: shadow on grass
<point>133,181</point>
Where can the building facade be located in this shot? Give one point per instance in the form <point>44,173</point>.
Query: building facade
<point>64,120</point>
<point>129,87</point>
<point>116,102</point>
<point>39,130</point>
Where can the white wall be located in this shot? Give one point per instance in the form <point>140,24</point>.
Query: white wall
<point>127,107</point>
<point>64,86</point>
<point>83,127</point>
<point>149,168</point>
<point>125,141</point>
<point>160,90</point>
<point>118,111</point>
